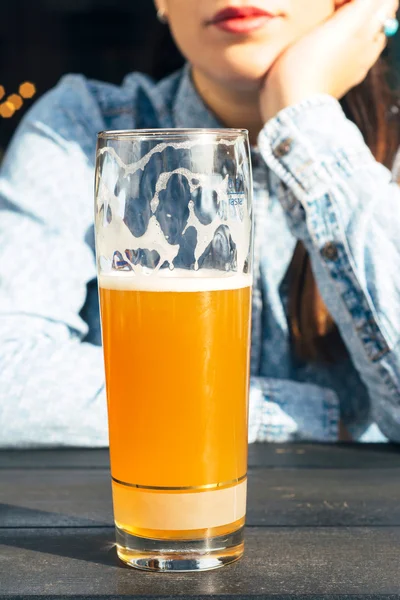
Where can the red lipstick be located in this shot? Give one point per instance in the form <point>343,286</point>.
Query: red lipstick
<point>241,19</point>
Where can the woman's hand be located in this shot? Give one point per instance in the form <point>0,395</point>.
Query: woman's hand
<point>332,59</point>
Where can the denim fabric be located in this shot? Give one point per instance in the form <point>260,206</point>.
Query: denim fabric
<point>314,180</point>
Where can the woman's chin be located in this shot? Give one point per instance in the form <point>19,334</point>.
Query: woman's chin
<point>243,70</point>
<point>241,78</point>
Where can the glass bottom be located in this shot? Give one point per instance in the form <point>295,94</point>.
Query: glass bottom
<point>179,555</point>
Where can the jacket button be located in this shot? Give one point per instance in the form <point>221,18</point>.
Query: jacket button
<point>330,251</point>
<point>283,148</point>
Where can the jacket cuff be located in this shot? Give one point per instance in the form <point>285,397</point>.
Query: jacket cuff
<point>304,145</point>
<point>284,411</point>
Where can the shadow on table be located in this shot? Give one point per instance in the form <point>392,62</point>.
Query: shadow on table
<point>19,516</point>
<point>324,456</point>
<point>84,541</point>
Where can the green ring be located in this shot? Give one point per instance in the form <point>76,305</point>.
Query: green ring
<point>391,27</point>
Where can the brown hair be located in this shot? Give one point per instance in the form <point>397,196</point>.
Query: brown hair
<point>373,107</point>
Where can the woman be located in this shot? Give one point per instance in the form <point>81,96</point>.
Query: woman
<point>326,323</point>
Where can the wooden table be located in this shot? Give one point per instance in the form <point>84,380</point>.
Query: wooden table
<point>323,523</point>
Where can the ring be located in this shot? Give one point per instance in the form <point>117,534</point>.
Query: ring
<point>390,27</point>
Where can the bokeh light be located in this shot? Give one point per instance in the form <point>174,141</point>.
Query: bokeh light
<point>27,89</point>
<point>7,110</point>
<point>16,101</point>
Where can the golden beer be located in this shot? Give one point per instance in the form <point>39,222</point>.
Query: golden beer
<point>174,248</point>
<point>176,352</point>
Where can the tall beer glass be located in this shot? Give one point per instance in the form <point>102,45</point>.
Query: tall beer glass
<point>174,254</point>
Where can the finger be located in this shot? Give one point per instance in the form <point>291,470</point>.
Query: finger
<point>388,9</point>
<point>364,18</point>
<point>359,12</point>
<point>352,16</point>
<point>369,8</point>
<point>371,30</point>
<point>375,28</point>
<point>371,57</point>
<point>374,50</point>
<point>377,48</point>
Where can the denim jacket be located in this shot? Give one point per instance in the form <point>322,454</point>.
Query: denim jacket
<point>315,180</point>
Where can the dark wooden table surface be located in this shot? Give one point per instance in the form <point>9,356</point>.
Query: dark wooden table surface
<point>323,523</point>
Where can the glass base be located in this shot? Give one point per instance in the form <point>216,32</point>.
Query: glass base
<point>179,555</point>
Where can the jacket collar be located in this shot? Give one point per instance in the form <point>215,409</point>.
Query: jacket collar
<point>189,110</point>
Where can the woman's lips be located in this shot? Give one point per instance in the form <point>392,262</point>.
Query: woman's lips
<point>241,20</point>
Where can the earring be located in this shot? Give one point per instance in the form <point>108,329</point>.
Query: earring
<point>162,16</point>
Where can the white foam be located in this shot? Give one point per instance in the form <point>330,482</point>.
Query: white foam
<point>115,235</point>
<point>178,280</point>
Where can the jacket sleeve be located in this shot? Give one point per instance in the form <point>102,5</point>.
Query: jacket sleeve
<point>287,411</point>
<point>51,383</point>
<point>345,207</point>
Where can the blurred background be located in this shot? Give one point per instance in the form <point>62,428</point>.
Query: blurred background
<point>40,40</point>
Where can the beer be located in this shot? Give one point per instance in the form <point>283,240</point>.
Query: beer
<point>174,245</point>
<point>176,352</point>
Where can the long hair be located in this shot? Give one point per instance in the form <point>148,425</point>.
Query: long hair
<point>373,106</point>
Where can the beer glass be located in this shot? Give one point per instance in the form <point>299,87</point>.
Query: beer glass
<point>173,216</point>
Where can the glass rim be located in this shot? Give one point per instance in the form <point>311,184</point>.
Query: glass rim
<point>124,134</point>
